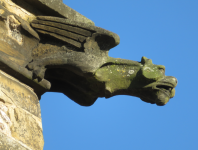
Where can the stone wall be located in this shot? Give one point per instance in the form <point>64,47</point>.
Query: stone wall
<point>20,116</point>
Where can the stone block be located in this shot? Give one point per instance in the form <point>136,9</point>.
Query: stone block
<point>20,115</point>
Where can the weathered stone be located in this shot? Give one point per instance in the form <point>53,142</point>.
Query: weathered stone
<point>87,72</point>
<point>67,27</point>
<point>17,10</point>
<point>27,128</point>
<point>47,46</point>
<point>55,8</point>
<point>8,143</point>
<point>76,37</point>
<point>72,56</point>
<point>22,95</point>
<point>17,40</point>
<point>20,116</point>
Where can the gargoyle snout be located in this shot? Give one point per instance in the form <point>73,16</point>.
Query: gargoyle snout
<point>171,80</point>
<point>175,80</point>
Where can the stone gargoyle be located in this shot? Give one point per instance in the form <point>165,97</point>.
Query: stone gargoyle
<point>72,58</point>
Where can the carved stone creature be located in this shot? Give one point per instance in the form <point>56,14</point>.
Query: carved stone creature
<point>73,57</point>
<point>39,53</point>
<point>61,55</point>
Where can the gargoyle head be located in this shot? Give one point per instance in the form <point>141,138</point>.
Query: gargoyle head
<point>156,87</point>
<point>141,79</point>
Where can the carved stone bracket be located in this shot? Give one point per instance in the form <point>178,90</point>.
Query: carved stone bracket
<point>56,54</point>
<point>47,46</point>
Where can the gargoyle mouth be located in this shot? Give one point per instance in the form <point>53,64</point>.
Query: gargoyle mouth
<point>167,89</point>
<point>163,90</point>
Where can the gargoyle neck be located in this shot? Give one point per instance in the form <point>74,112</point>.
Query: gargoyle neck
<point>117,75</point>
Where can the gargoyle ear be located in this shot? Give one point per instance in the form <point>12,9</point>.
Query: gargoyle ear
<point>145,60</point>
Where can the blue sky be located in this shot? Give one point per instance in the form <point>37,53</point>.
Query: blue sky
<point>167,33</point>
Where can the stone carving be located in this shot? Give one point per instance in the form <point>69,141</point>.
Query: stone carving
<point>73,57</point>
<point>47,46</point>
<point>63,55</point>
